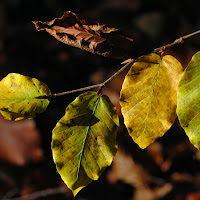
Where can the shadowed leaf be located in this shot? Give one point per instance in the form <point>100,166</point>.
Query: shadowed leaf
<point>188,108</point>
<point>17,97</point>
<point>90,36</point>
<point>149,97</point>
<point>84,140</point>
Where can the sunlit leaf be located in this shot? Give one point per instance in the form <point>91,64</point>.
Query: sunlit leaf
<point>84,140</point>
<point>17,97</point>
<point>188,107</point>
<point>149,97</point>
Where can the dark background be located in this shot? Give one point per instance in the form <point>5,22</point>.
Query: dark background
<point>37,54</point>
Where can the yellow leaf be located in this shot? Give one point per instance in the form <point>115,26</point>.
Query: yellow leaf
<point>149,97</point>
<point>188,108</point>
<point>17,97</point>
<point>84,140</point>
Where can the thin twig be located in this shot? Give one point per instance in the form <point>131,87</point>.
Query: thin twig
<point>177,41</point>
<point>115,75</point>
<point>100,85</point>
<point>130,62</point>
<point>68,92</point>
<point>42,193</point>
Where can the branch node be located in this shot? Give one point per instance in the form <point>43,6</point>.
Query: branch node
<point>180,40</point>
<point>161,51</point>
<point>100,89</point>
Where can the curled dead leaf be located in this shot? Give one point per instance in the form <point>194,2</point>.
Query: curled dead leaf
<point>87,35</point>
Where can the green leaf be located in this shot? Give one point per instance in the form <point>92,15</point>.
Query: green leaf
<point>149,97</point>
<point>188,108</point>
<point>18,97</point>
<point>84,140</point>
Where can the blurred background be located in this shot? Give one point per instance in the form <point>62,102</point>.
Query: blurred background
<point>167,169</point>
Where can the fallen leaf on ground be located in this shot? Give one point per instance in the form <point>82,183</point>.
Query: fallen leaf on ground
<point>155,150</point>
<point>125,169</point>
<point>181,150</point>
<point>19,142</point>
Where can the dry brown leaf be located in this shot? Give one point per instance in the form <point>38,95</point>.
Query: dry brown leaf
<point>184,177</point>
<point>181,150</point>
<point>193,196</point>
<point>96,38</point>
<point>152,194</point>
<point>155,150</point>
<point>19,141</point>
<point>125,169</point>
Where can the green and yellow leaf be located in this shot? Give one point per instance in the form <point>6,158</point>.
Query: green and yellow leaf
<point>18,97</point>
<point>84,140</point>
<point>149,97</point>
<point>188,107</point>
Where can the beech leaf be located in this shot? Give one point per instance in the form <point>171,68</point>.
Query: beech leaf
<point>19,142</point>
<point>84,140</point>
<point>188,108</point>
<point>149,97</point>
<point>18,97</point>
<point>87,35</point>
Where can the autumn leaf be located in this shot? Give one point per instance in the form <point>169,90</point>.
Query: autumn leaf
<point>149,97</point>
<point>84,140</point>
<point>18,97</point>
<point>188,108</point>
<point>125,169</point>
<point>87,35</point>
<point>19,142</point>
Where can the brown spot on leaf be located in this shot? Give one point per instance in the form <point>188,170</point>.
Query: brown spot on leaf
<point>56,144</point>
<point>26,115</point>
<point>130,130</point>
<point>59,165</point>
<point>12,76</point>
<point>4,109</point>
<point>122,98</point>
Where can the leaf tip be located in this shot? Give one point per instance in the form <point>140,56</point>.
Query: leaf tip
<point>39,25</point>
<point>142,146</point>
<point>76,191</point>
